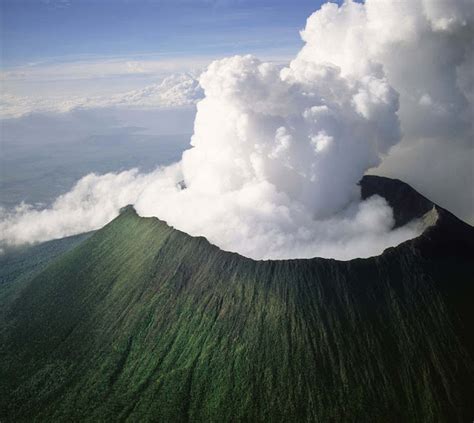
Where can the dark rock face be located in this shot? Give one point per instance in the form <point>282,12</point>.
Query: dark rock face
<point>142,322</point>
<point>407,204</point>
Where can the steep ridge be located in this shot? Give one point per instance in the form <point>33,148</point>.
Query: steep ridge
<point>142,322</point>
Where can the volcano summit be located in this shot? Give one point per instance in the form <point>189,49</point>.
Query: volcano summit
<point>142,322</point>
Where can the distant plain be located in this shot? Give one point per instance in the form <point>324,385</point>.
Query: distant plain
<point>43,156</point>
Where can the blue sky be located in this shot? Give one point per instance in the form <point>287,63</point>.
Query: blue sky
<point>58,30</point>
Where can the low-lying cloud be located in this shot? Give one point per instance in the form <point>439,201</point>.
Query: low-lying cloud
<point>256,221</point>
<point>277,152</point>
<point>176,90</point>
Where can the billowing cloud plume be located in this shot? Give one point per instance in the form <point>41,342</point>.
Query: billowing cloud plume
<point>426,50</point>
<point>277,152</point>
<point>256,221</point>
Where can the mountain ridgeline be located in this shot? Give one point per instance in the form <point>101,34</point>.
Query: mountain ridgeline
<point>141,322</point>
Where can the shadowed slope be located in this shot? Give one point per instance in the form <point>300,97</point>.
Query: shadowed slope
<point>19,264</point>
<point>142,322</point>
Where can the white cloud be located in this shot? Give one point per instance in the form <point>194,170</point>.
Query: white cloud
<point>93,201</point>
<point>101,69</point>
<point>60,86</point>
<point>176,90</point>
<point>426,51</point>
<point>277,152</point>
<point>256,221</point>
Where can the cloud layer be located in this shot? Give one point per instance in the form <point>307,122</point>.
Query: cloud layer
<point>176,90</point>
<point>256,221</point>
<point>277,152</point>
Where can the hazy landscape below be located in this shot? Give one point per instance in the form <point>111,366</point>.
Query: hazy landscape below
<point>43,156</point>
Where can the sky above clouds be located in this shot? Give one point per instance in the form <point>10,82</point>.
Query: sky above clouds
<point>65,49</point>
<point>40,31</point>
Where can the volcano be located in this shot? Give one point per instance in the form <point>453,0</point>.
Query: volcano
<point>141,322</point>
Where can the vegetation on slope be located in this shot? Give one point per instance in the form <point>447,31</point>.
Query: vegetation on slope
<point>141,322</point>
<point>18,265</point>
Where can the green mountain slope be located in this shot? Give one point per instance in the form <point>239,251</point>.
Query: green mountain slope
<point>141,322</point>
<point>19,265</point>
